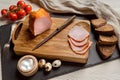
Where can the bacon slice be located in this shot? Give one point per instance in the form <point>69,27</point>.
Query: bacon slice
<point>78,33</point>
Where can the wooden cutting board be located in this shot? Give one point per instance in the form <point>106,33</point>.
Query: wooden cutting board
<point>56,48</point>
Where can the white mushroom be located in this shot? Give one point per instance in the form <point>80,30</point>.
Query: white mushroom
<point>42,63</point>
<point>56,63</point>
<point>48,66</point>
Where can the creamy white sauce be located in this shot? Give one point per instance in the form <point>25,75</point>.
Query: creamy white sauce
<point>27,65</point>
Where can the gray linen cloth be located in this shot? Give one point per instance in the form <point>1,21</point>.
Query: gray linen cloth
<point>85,7</point>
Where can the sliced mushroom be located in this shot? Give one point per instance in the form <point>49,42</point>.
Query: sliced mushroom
<point>56,63</point>
<point>48,66</point>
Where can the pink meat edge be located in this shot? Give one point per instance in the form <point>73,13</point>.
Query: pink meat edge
<point>79,43</point>
<point>76,48</point>
<point>81,50</point>
<point>84,51</point>
<point>79,40</point>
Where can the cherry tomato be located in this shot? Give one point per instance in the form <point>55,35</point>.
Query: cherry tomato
<point>21,13</point>
<point>28,8</point>
<point>13,8</point>
<point>13,16</point>
<point>4,12</point>
<point>21,4</point>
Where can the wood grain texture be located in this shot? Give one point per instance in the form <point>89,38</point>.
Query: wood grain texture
<point>56,48</point>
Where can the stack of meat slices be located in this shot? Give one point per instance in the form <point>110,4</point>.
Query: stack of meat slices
<point>79,41</point>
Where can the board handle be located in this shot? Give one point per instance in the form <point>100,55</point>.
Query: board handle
<point>16,31</point>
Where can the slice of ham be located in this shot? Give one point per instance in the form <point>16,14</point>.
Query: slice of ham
<point>80,49</point>
<point>85,50</point>
<point>39,21</point>
<point>79,43</point>
<point>78,33</point>
<point>77,48</point>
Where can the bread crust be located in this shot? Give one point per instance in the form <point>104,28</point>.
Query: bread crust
<point>107,40</point>
<point>105,51</point>
<point>98,22</point>
<point>105,30</point>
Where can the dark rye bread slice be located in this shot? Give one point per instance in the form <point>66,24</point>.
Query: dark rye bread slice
<point>98,22</point>
<point>105,51</point>
<point>107,40</point>
<point>105,30</point>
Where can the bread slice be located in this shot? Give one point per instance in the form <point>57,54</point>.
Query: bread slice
<point>107,40</point>
<point>105,30</point>
<point>105,51</point>
<point>98,22</point>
